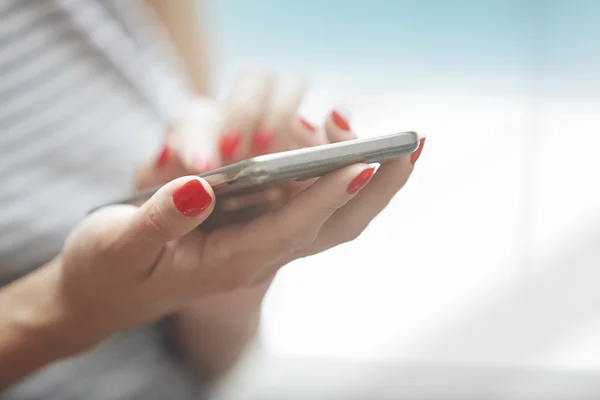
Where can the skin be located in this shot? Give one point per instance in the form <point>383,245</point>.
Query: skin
<point>124,266</point>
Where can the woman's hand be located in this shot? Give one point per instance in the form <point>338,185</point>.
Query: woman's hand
<point>260,115</point>
<point>124,266</point>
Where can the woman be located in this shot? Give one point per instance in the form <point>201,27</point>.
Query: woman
<point>88,89</point>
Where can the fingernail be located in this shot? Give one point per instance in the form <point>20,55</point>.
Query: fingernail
<point>192,198</point>
<point>163,157</point>
<point>229,144</point>
<point>262,140</point>
<point>415,156</point>
<point>340,121</point>
<point>360,180</point>
<point>308,125</point>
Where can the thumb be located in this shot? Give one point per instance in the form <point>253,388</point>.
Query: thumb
<point>173,211</point>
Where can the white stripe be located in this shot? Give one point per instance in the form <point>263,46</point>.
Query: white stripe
<point>55,57</point>
<point>71,136</point>
<point>133,68</point>
<point>83,194</point>
<point>60,108</point>
<point>95,117</point>
<point>72,127</point>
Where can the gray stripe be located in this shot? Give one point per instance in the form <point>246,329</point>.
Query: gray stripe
<point>81,194</point>
<point>16,177</point>
<point>72,129</point>
<point>31,55</point>
<point>54,97</point>
<point>59,132</point>
<point>10,6</point>
<point>50,71</point>
<point>48,20</point>
<point>56,182</point>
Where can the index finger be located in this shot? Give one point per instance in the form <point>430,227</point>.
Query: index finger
<point>351,220</point>
<point>297,224</point>
<point>244,109</point>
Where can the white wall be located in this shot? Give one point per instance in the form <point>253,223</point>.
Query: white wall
<point>491,253</point>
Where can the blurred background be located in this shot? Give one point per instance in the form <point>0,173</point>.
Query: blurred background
<point>481,276</point>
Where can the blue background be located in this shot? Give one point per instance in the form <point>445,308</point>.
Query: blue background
<point>480,45</point>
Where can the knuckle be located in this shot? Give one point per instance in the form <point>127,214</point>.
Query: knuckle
<point>157,223</point>
<point>105,247</point>
<point>101,236</point>
<point>297,239</point>
<point>219,250</point>
<point>245,112</point>
<point>278,116</point>
<point>231,264</point>
<point>332,208</point>
<point>231,278</point>
<point>350,235</point>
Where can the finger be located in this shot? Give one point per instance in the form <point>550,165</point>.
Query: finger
<point>163,167</point>
<point>306,133</point>
<point>298,223</point>
<point>195,133</point>
<point>189,147</point>
<point>270,196</point>
<point>347,223</point>
<point>176,209</point>
<point>244,108</point>
<point>337,126</point>
<point>282,105</point>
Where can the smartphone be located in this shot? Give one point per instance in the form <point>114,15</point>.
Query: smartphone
<point>257,173</point>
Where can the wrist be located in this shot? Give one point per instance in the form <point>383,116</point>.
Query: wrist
<point>233,306</point>
<point>36,328</point>
<point>39,314</point>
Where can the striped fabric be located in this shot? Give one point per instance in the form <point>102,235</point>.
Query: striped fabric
<point>85,89</point>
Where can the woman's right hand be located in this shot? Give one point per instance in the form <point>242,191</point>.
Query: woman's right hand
<point>124,266</point>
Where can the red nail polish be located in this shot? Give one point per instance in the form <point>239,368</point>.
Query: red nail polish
<point>163,157</point>
<point>192,198</point>
<point>262,140</point>
<point>308,125</point>
<point>340,121</point>
<point>361,180</point>
<point>415,156</point>
<point>229,143</point>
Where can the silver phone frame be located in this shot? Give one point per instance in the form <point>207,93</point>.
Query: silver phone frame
<point>254,173</point>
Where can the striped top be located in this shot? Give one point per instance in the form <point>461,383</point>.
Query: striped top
<point>85,89</point>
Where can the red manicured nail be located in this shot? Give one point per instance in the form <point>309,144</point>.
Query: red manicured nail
<point>340,121</point>
<point>415,156</point>
<point>308,125</point>
<point>361,180</point>
<point>192,198</point>
<point>229,143</point>
<point>163,157</point>
<point>261,141</point>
